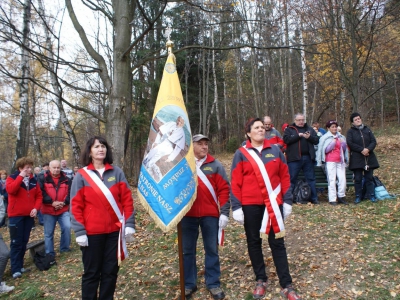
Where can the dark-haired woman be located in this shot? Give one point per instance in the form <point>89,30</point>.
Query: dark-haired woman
<point>24,199</point>
<point>102,217</point>
<point>261,200</point>
<point>363,161</point>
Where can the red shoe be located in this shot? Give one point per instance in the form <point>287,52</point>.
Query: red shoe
<point>289,293</point>
<point>259,291</point>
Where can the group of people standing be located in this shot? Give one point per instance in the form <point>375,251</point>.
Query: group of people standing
<point>263,174</point>
<point>334,152</point>
<point>97,202</point>
<point>80,200</point>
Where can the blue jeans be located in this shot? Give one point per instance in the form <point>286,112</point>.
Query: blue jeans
<point>49,226</point>
<point>20,230</point>
<point>307,165</point>
<point>4,256</point>
<point>190,233</point>
<point>40,217</point>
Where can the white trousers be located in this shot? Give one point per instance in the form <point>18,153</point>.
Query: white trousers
<point>336,170</point>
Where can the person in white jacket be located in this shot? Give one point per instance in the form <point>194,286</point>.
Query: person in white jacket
<point>332,150</point>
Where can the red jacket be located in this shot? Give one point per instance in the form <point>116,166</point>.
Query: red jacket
<point>52,192</point>
<point>21,200</point>
<point>244,185</point>
<point>89,214</point>
<point>205,205</point>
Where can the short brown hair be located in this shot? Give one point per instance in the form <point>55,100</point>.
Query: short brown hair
<point>23,161</point>
<point>249,124</point>
<point>3,172</point>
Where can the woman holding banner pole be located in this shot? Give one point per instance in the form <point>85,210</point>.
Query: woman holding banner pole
<point>102,217</point>
<point>261,200</point>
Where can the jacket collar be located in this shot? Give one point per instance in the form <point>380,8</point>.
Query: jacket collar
<point>266,144</point>
<point>107,166</point>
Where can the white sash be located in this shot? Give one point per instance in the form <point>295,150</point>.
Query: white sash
<point>109,196</point>
<point>272,196</point>
<point>209,186</point>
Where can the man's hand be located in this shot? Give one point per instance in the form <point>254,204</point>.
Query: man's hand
<point>306,134</point>
<point>287,210</point>
<point>57,205</point>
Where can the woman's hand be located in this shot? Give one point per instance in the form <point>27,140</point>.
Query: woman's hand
<point>365,152</point>
<point>33,213</point>
<point>82,240</point>
<point>238,216</point>
<point>129,232</point>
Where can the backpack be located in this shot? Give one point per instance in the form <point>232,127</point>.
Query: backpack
<point>380,190</point>
<point>44,261</point>
<point>301,192</point>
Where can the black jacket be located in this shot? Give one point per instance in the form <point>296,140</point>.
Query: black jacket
<point>357,140</point>
<point>292,140</point>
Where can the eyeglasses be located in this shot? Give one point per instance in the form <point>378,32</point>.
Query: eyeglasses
<point>266,124</point>
<point>300,120</point>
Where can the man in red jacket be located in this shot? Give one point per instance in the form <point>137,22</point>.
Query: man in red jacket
<point>55,186</point>
<point>210,212</point>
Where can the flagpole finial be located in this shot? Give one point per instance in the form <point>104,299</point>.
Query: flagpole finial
<point>167,35</point>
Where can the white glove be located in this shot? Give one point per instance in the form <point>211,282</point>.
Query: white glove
<point>129,231</point>
<point>82,240</point>
<point>223,221</point>
<point>238,216</point>
<point>287,210</point>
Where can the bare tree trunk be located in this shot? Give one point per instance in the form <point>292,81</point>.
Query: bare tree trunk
<point>397,99</point>
<point>23,128</point>
<point>289,59</point>
<point>215,102</point>
<point>381,97</point>
<point>304,73</point>
<point>35,139</point>
<point>58,90</point>
<point>119,108</point>
<point>240,106</point>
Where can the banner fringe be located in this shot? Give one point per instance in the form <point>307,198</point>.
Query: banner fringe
<point>177,218</point>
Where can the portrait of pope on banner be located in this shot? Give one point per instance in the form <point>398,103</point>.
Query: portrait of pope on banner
<point>167,143</point>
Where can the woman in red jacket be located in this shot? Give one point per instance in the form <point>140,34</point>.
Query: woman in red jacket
<point>261,200</point>
<point>102,218</point>
<point>24,201</point>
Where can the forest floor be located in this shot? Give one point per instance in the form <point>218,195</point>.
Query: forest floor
<point>342,252</point>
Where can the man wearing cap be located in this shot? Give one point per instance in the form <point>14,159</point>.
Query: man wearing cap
<point>300,153</point>
<point>210,212</point>
<point>332,151</point>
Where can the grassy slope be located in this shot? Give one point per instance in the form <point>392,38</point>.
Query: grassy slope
<point>343,252</point>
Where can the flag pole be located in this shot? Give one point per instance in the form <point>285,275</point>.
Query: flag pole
<point>181,269</point>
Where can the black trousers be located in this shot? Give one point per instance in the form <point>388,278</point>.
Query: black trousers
<point>368,177</point>
<point>100,265</point>
<point>253,215</point>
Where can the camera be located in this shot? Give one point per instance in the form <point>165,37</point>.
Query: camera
<point>366,168</point>
<point>307,132</point>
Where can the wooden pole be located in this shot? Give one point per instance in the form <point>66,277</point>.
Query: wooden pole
<point>181,270</point>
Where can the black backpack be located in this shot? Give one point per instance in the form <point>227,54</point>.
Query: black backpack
<point>44,261</point>
<point>301,192</point>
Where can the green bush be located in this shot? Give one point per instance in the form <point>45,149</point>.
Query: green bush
<point>232,145</point>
